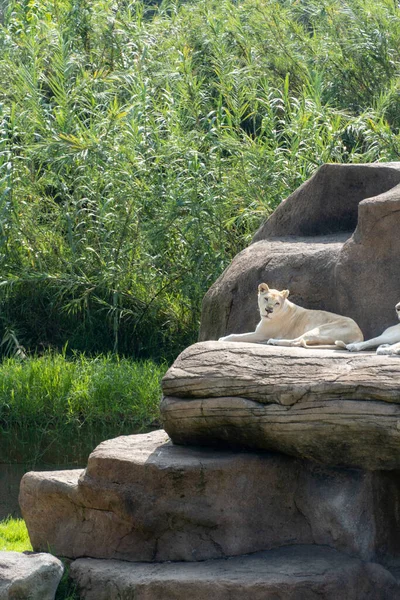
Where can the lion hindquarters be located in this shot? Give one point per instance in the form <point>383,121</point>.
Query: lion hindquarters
<point>338,333</point>
<point>334,335</point>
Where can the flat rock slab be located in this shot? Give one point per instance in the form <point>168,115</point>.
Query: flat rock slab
<point>29,576</point>
<point>291,573</point>
<point>142,498</point>
<point>330,406</point>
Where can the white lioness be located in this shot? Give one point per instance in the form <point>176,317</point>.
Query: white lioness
<point>286,324</point>
<point>388,342</point>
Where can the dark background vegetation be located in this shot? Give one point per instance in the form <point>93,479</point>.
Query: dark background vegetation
<point>142,143</point>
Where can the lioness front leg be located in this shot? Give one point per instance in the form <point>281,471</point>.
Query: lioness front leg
<point>367,345</point>
<point>243,337</point>
<point>300,342</point>
<point>277,342</point>
<point>319,336</point>
<point>393,349</point>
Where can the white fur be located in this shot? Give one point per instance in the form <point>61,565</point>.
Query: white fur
<point>286,324</point>
<point>388,342</point>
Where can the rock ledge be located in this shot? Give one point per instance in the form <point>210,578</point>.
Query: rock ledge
<point>290,573</point>
<point>333,407</point>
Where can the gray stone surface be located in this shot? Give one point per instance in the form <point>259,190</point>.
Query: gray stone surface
<point>330,406</point>
<point>29,576</point>
<point>291,573</point>
<point>333,243</point>
<point>144,499</point>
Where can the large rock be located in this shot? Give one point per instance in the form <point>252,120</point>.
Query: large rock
<point>330,406</point>
<point>291,573</point>
<point>29,576</point>
<point>329,201</point>
<point>144,499</point>
<point>334,243</point>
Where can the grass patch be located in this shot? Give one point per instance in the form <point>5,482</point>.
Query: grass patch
<point>66,589</point>
<point>14,536</point>
<point>55,410</point>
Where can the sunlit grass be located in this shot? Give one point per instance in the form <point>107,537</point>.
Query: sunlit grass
<point>14,535</point>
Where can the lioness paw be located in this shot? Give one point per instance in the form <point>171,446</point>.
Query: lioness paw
<point>388,349</point>
<point>273,342</point>
<point>340,344</point>
<point>354,347</point>
<point>383,349</point>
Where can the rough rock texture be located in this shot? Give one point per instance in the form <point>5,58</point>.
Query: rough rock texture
<point>327,243</point>
<point>10,479</point>
<point>28,576</point>
<point>330,406</point>
<point>291,573</point>
<point>144,499</point>
<point>328,202</point>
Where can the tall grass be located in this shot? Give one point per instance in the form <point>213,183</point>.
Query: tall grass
<point>55,410</point>
<point>141,145</point>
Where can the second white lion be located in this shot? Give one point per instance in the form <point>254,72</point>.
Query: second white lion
<point>286,324</point>
<point>388,342</point>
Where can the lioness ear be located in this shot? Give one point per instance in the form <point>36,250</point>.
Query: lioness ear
<point>262,288</point>
<point>285,293</point>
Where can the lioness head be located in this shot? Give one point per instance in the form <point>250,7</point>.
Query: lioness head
<point>397,307</point>
<point>270,302</point>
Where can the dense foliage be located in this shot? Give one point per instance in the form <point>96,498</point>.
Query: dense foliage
<point>142,144</point>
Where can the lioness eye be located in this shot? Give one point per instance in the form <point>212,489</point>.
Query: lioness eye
<point>276,303</point>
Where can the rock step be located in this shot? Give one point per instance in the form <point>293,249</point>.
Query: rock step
<point>334,407</point>
<point>289,573</point>
<point>142,498</point>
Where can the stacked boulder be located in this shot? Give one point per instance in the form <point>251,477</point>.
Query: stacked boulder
<point>29,576</point>
<point>277,475</point>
